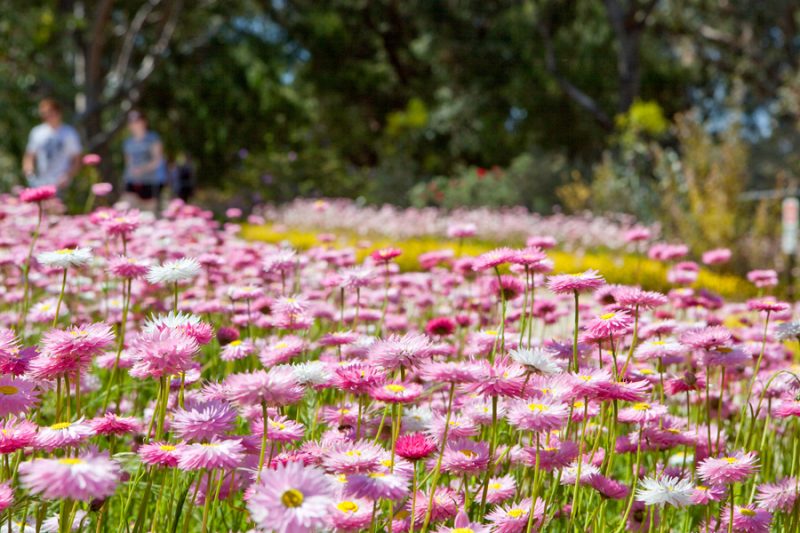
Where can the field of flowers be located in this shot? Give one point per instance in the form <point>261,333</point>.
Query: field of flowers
<point>169,375</point>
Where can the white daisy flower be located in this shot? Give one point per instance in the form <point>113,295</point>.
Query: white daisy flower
<point>538,359</point>
<point>65,258</point>
<point>311,373</point>
<point>671,490</point>
<point>170,321</point>
<point>174,271</point>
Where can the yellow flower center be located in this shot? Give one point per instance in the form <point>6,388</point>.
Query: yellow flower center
<point>347,507</point>
<point>578,404</point>
<point>281,345</point>
<point>344,411</point>
<point>387,463</point>
<point>585,378</point>
<point>341,478</point>
<point>608,316</point>
<point>540,407</point>
<point>394,387</point>
<point>730,460</point>
<point>61,425</point>
<point>515,513</point>
<point>747,512</point>
<point>377,475</point>
<point>702,487</point>
<point>71,461</point>
<point>546,390</point>
<point>64,251</point>
<point>468,453</point>
<point>492,332</point>
<point>658,343</point>
<point>292,498</point>
<point>237,342</point>
<point>462,530</point>
<point>641,406</point>
<point>209,445</point>
<point>8,390</point>
<point>277,425</point>
<point>645,371</point>
<point>353,453</point>
<point>495,486</point>
<point>166,448</point>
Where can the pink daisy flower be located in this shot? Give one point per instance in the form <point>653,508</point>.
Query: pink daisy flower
<point>462,524</point>
<point>351,515</point>
<point>237,349</point>
<point>159,454</point>
<point>353,457</point>
<point>397,392</point>
<point>442,326</point>
<point>407,351</point>
<point>291,498</point>
<point>203,421</point>
<point>449,372</point>
<point>570,283</point>
<point>358,378</point>
<point>716,256</point>
<point>212,455</point>
<point>746,519</point>
<point>282,351</point>
<point>609,488</point>
<point>730,469</point>
<point>703,495</point>
<point>37,194</point>
<point>275,388</point>
<point>706,338</point>
<point>779,496</point>
<point>538,415</point>
<point>18,396</point>
<point>16,434</point>
<point>446,504</point>
<point>513,518</point>
<point>378,485</point>
<point>494,258</point>
<point>763,278</point>
<point>414,446</point>
<point>465,456</point>
<point>112,424</point>
<point>642,413</point>
<point>501,489</point>
<point>279,429</point>
<point>85,478</point>
<point>384,255</point>
<point>6,496</point>
<point>63,434</point>
<point>610,324</point>
<point>162,353</point>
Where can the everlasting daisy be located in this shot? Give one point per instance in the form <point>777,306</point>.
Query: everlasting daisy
<point>703,494</point>
<point>730,469</point>
<point>353,457</point>
<point>37,194</point>
<point>665,490</point>
<point>539,360</point>
<point>462,524</point>
<point>275,388</point>
<point>65,258</point>
<point>746,519</point>
<point>174,271</point>
<point>17,396</point>
<point>464,456</point>
<point>162,353</point>
<point>203,421</point>
<point>501,489</point>
<point>513,518</point>
<point>407,351</point>
<point>111,424</point>
<point>211,455</point>
<point>159,454</point>
<point>494,258</point>
<point>63,434</point>
<point>6,496</point>
<point>85,478</point>
<point>446,504</point>
<point>538,415</point>
<point>291,498</point>
<point>780,496</point>
<point>16,434</point>
<point>351,515</point>
<point>414,446</point>
<point>378,485</point>
<point>570,283</point>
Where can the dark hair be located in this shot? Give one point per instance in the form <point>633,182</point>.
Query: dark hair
<point>50,103</point>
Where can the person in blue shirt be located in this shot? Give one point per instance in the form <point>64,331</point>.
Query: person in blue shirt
<point>145,171</point>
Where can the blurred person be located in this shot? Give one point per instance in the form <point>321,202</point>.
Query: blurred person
<point>144,164</point>
<point>53,153</point>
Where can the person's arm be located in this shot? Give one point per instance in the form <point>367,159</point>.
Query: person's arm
<point>74,148</point>
<point>28,165</point>
<point>29,159</point>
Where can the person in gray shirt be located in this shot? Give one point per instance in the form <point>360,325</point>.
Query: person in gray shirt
<point>144,164</point>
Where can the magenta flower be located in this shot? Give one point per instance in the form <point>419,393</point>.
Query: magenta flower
<point>779,496</point>
<point>37,194</point>
<point>746,519</point>
<point>494,258</point>
<point>353,457</point>
<point>111,424</point>
<point>84,478</point>
<point>464,456</point>
<point>63,434</point>
<point>351,515</point>
<point>162,353</point>
<point>414,446</point>
<point>538,415</point>
<point>16,434</point>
